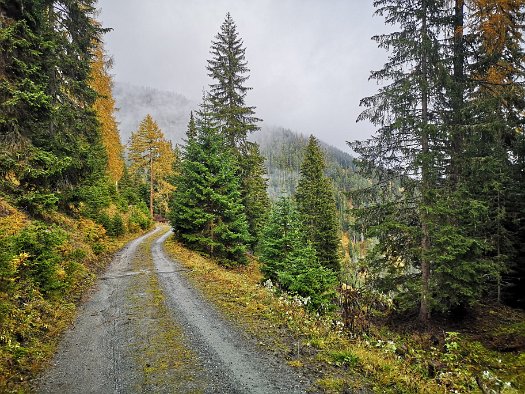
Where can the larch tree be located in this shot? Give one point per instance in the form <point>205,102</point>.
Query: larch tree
<point>207,213</point>
<point>152,156</point>
<point>316,203</point>
<point>228,69</point>
<point>104,106</point>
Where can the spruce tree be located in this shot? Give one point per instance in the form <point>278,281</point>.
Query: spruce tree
<point>229,71</point>
<point>289,259</point>
<point>207,213</point>
<point>402,154</point>
<point>442,155</point>
<point>316,203</point>
<point>254,190</point>
<point>50,139</point>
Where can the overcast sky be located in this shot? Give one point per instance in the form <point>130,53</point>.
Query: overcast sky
<point>309,59</point>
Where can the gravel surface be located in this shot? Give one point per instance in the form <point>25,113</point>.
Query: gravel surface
<point>93,356</point>
<point>99,353</point>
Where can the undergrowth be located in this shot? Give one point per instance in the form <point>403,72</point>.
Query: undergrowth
<point>46,265</point>
<point>338,361</point>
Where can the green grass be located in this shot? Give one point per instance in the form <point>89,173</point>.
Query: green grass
<point>159,346</point>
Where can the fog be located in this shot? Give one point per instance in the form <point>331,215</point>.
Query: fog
<point>309,59</point>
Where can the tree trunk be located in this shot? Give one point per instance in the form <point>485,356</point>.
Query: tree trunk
<point>424,310</point>
<point>151,184</point>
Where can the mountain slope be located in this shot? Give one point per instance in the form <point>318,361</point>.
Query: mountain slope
<point>282,148</point>
<point>170,110</point>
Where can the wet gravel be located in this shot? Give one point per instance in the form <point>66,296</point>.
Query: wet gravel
<point>228,354</point>
<point>98,354</point>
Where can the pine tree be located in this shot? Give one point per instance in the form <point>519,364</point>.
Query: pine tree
<point>207,213</point>
<point>152,156</point>
<point>316,203</point>
<point>105,109</point>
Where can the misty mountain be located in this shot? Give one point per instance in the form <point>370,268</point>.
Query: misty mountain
<point>282,148</point>
<point>170,110</point>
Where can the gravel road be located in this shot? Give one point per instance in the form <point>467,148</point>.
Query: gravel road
<point>124,342</point>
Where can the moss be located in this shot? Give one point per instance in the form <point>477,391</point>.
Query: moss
<point>159,344</point>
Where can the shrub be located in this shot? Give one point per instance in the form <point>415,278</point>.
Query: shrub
<point>117,226</point>
<point>139,217</point>
<point>41,243</point>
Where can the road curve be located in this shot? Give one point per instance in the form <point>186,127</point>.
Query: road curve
<point>227,351</point>
<point>99,353</point>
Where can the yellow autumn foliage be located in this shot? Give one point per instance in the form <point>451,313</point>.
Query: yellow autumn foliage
<point>152,157</point>
<point>105,109</point>
<point>499,31</point>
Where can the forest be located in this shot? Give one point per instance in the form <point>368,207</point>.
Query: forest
<point>398,270</point>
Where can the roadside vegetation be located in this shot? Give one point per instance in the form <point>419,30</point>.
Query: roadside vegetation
<point>469,356</point>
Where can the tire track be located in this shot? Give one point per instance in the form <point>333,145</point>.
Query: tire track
<point>227,352</point>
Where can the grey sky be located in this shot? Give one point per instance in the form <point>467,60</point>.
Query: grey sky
<point>309,59</point>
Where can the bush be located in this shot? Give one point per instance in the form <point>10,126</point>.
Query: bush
<point>114,225</point>
<point>117,226</point>
<point>315,282</point>
<point>40,243</point>
<point>290,260</point>
<point>139,217</point>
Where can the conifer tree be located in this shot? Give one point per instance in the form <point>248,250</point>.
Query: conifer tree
<point>152,156</point>
<point>50,138</point>
<point>289,259</point>
<point>105,109</point>
<point>316,204</point>
<point>254,190</point>
<point>207,213</point>
<point>229,71</point>
<point>441,156</point>
<point>402,153</point>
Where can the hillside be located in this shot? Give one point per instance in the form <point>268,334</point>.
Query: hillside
<point>282,148</point>
<point>169,109</point>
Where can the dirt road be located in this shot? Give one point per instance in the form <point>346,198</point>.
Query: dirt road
<point>146,329</point>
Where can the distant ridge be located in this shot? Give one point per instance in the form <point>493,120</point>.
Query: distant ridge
<point>171,110</point>
<point>282,148</point>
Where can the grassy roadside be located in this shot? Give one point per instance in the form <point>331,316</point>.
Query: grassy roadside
<point>157,341</point>
<point>383,361</point>
<point>31,321</point>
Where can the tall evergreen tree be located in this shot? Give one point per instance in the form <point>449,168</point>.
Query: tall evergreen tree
<point>403,152</point>
<point>254,190</point>
<point>316,203</point>
<point>441,153</point>
<point>206,211</point>
<point>229,71</point>
<point>47,123</point>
